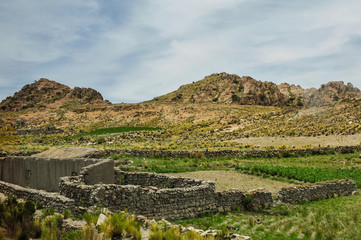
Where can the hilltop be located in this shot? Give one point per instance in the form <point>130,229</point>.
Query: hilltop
<point>219,111</point>
<point>232,89</point>
<point>48,93</point>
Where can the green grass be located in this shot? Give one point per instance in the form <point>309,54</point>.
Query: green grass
<point>120,130</point>
<point>306,174</point>
<point>167,164</point>
<point>337,218</point>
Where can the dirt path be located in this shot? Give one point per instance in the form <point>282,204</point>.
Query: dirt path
<point>331,140</point>
<point>226,180</point>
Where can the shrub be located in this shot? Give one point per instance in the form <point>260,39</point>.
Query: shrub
<point>17,217</point>
<point>119,224</point>
<point>248,202</point>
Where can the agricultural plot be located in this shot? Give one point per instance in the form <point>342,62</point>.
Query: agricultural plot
<point>338,218</point>
<point>306,174</point>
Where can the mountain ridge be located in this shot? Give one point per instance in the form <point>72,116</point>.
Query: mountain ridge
<point>216,88</point>
<point>233,89</point>
<point>49,93</point>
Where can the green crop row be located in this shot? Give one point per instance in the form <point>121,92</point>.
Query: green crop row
<point>121,129</point>
<point>306,174</point>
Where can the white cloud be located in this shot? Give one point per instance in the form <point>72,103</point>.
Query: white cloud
<point>134,51</point>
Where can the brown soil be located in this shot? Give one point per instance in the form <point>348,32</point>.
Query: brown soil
<point>323,141</point>
<point>226,180</point>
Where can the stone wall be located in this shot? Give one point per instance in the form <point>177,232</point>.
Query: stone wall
<point>159,196</point>
<point>152,195</point>
<point>317,191</point>
<point>48,200</point>
<point>99,172</point>
<point>42,130</point>
<point>151,202</point>
<point>156,180</point>
<point>42,173</point>
<point>232,153</point>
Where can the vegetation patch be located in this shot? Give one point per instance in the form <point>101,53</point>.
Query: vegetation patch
<point>120,130</point>
<point>306,174</point>
<point>337,218</point>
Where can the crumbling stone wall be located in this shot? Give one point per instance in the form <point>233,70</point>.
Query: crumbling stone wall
<point>159,196</point>
<point>156,180</point>
<point>149,201</point>
<point>48,200</point>
<point>317,191</point>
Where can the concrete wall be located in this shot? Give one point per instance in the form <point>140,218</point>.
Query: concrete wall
<point>99,172</point>
<point>41,173</point>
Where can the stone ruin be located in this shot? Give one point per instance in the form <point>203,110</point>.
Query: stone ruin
<point>40,130</point>
<point>81,183</point>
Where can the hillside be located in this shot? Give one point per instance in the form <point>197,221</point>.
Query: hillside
<point>47,93</point>
<point>230,88</point>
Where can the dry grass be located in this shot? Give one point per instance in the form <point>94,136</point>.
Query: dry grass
<point>225,180</point>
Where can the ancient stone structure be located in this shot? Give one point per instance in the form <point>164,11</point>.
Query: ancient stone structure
<point>152,195</point>
<point>44,173</point>
<point>69,152</point>
<point>159,196</point>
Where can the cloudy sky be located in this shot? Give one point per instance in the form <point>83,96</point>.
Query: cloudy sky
<point>135,50</point>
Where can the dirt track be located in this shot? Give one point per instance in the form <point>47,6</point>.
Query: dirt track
<point>331,140</point>
<point>226,180</point>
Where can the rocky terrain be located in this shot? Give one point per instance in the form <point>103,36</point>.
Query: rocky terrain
<point>45,93</point>
<point>230,88</point>
<point>221,111</point>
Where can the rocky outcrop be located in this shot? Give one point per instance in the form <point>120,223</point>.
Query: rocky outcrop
<point>230,88</point>
<point>46,93</point>
<point>327,94</point>
<point>227,88</point>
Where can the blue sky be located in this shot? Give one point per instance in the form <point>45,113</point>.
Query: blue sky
<point>135,50</point>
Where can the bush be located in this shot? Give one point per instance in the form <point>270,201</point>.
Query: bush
<point>17,218</point>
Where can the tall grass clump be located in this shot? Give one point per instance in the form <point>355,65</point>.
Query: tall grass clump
<point>17,218</point>
<point>120,224</point>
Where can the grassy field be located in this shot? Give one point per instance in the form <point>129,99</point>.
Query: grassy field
<point>306,174</point>
<point>120,130</point>
<point>165,165</point>
<point>338,218</point>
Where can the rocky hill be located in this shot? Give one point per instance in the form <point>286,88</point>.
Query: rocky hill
<point>47,93</point>
<point>230,88</point>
